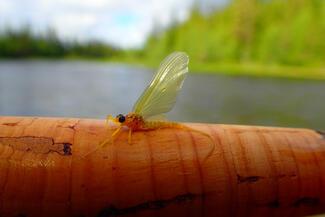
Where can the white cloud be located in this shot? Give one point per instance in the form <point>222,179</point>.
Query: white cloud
<point>5,6</point>
<point>74,3</point>
<point>74,25</point>
<point>125,23</point>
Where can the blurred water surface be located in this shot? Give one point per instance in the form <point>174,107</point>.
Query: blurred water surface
<point>95,89</point>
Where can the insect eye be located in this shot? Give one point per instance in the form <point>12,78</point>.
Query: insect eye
<point>121,118</point>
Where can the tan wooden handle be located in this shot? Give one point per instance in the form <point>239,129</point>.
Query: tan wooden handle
<point>255,171</point>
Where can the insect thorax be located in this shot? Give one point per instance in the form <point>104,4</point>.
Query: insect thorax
<point>134,121</point>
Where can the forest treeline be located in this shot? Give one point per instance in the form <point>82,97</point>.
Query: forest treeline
<point>23,43</point>
<point>289,32</point>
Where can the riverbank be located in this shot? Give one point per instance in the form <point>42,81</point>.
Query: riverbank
<point>242,69</point>
<point>248,69</point>
<point>233,69</point>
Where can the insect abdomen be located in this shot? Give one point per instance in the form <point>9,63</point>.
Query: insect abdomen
<point>150,125</point>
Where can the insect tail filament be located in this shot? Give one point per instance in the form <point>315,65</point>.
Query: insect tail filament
<point>168,124</point>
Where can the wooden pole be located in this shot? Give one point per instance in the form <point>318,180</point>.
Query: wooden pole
<point>253,171</point>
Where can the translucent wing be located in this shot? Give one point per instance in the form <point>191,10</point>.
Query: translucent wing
<point>160,96</point>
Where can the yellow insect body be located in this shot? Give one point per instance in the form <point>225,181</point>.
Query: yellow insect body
<point>158,98</point>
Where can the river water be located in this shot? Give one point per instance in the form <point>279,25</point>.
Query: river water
<point>94,89</point>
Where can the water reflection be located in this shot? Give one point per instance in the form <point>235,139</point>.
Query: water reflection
<point>93,90</point>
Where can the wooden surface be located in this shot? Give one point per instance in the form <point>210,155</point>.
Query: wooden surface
<point>253,171</point>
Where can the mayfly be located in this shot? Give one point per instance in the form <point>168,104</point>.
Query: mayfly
<point>157,99</point>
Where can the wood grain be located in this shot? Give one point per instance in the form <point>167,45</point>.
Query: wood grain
<point>253,171</point>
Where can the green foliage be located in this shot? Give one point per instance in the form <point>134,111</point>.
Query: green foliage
<point>23,43</point>
<point>283,38</point>
<point>263,32</point>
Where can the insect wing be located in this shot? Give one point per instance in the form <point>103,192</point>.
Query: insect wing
<point>160,96</point>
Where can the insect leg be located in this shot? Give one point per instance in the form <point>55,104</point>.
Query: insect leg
<point>116,132</point>
<point>108,118</point>
<point>102,144</point>
<point>130,135</point>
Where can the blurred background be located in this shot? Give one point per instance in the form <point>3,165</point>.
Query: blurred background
<point>256,62</point>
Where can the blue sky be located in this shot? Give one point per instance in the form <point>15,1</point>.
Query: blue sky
<point>125,23</point>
